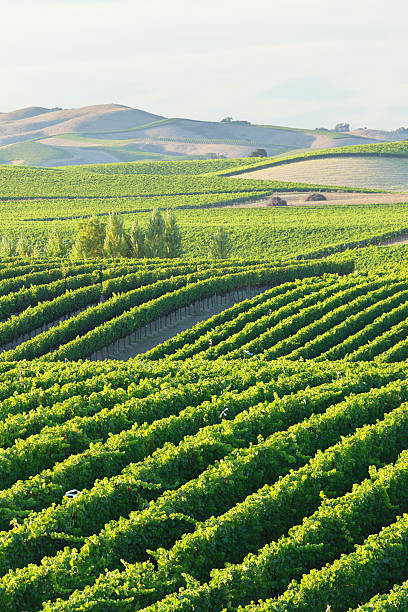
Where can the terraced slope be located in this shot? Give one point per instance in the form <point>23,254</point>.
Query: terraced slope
<point>123,483</point>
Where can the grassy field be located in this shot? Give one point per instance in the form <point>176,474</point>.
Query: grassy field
<point>31,153</point>
<point>384,149</point>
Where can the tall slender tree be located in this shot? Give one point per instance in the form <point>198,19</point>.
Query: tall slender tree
<point>221,244</point>
<point>23,246</point>
<point>172,236</point>
<point>114,244</point>
<point>91,237</point>
<point>54,247</point>
<point>36,250</point>
<point>6,246</point>
<point>77,251</point>
<point>137,241</point>
<point>155,235</point>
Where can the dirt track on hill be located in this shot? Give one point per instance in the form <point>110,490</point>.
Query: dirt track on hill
<point>294,198</point>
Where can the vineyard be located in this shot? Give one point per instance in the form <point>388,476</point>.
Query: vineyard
<point>35,201</point>
<point>21,183</point>
<point>196,434</point>
<point>258,456</point>
<point>61,312</point>
<point>357,318</point>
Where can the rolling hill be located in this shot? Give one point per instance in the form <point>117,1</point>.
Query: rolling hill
<point>114,133</point>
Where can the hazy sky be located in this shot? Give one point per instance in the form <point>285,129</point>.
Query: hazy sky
<point>305,63</point>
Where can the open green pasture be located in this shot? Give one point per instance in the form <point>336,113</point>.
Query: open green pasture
<point>31,152</point>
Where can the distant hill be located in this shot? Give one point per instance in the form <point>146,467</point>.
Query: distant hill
<point>105,133</point>
<point>25,113</point>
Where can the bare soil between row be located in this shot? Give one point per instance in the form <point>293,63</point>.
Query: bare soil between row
<point>153,340</point>
<point>295,198</point>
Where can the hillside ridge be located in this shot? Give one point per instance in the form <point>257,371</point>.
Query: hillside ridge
<point>103,133</point>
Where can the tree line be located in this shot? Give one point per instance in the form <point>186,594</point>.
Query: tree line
<point>95,239</point>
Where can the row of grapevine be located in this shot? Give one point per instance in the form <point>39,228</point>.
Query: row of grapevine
<point>94,315</point>
<point>223,486</point>
<point>288,332</point>
<point>67,300</point>
<point>323,318</point>
<point>117,451</point>
<point>102,495</point>
<point>129,301</point>
<point>331,531</point>
<point>233,320</point>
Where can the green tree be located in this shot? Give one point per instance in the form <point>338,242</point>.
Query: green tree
<point>77,252</point>
<point>221,244</point>
<point>172,236</point>
<point>90,238</point>
<point>155,235</point>
<point>258,153</point>
<point>36,250</point>
<point>54,247</point>
<point>6,246</point>
<point>114,244</point>
<point>137,241</point>
<point>23,246</point>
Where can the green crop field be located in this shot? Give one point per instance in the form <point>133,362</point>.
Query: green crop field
<point>268,440</point>
<point>392,257</point>
<point>64,309</point>
<point>35,200</point>
<point>255,232</point>
<point>204,433</point>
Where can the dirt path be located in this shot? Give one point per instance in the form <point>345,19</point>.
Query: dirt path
<point>145,344</point>
<point>294,198</point>
<point>396,240</point>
